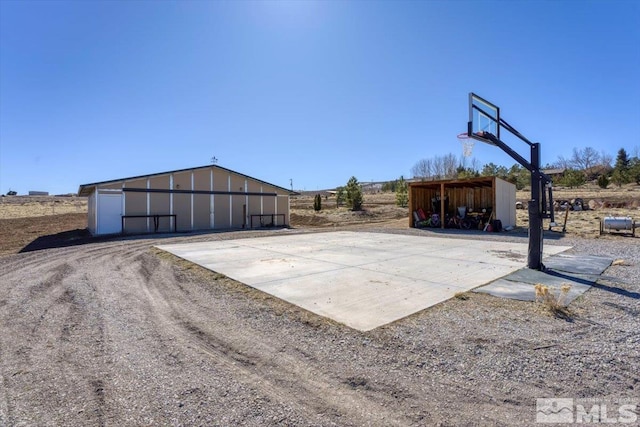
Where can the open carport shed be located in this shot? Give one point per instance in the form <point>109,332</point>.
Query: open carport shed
<point>490,193</point>
<point>201,198</point>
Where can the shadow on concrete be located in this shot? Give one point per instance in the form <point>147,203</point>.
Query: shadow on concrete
<point>617,291</point>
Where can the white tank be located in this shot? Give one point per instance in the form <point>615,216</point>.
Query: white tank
<point>617,223</point>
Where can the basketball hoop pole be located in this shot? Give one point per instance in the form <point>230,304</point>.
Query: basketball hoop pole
<point>535,205</point>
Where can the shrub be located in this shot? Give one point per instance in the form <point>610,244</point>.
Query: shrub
<point>603,181</point>
<point>317,203</point>
<point>572,178</point>
<point>389,186</point>
<point>619,177</point>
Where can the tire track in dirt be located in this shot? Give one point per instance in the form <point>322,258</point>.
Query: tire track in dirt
<point>82,334</point>
<point>71,275</point>
<point>141,277</point>
<point>6,409</point>
<point>277,375</point>
<point>54,306</point>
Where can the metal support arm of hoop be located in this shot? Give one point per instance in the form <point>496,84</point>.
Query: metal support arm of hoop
<point>540,183</point>
<point>515,155</point>
<point>537,207</point>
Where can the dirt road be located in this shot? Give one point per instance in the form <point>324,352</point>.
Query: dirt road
<point>119,333</point>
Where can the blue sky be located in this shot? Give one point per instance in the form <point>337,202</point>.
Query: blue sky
<point>310,91</point>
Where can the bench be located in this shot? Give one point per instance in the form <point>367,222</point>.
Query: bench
<point>271,216</point>
<point>156,220</point>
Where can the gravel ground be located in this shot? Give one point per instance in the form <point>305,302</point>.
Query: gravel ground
<point>119,333</point>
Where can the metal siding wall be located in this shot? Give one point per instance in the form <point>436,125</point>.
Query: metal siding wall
<point>237,184</point>
<point>269,204</point>
<point>238,219</point>
<point>182,202</point>
<point>135,204</point>
<point>500,212</point>
<point>505,202</point>
<point>201,206</point>
<point>283,208</point>
<point>114,186</point>
<point>254,207</point>
<point>138,183</point>
<point>220,181</point>
<point>202,179</point>
<point>253,186</point>
<point>160,203</point>
<point>227,210</point>
<point>255,204</point>
<point>201,202</point>
<point>91,214</point>
<point>221,211</point>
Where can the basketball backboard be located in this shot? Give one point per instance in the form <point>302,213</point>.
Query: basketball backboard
<point>483,117</point>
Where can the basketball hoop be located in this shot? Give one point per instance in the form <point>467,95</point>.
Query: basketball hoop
<point>467,144</point>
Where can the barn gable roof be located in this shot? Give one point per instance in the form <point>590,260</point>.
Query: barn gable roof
<point>87,189</point>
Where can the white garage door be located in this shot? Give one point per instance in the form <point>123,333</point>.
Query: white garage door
<point>109,213</point>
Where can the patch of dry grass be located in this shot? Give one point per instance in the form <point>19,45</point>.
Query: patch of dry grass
<point>35,206</point>
<point>556,303</point>
<point>461,296</point>
<point>613,201</point>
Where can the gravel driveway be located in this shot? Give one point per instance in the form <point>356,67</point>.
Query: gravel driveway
<point>118,333</point>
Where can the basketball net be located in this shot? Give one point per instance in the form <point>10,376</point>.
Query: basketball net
<point>467,144</point>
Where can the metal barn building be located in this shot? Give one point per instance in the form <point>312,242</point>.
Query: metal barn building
<point>202,198</point>
<point>489,193</point>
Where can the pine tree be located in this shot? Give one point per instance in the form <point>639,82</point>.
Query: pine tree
<point>340,195</point>
<point>354,194</point>
<point>402,192</point>
<point>622,160</point>
<point>620,173</point>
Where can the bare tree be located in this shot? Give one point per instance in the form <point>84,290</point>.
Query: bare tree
<point>475,164</point>
<point>584,159</point>
<point>450,165</point>
<point>605,159</point>
<point>562,163</point>
<point>422,169</point>
<point>438,167</point>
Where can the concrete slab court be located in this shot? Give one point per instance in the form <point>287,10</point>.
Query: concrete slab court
<point>364,280</point>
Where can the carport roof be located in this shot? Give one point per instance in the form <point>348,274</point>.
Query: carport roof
<point>483,181</point>
<point>86,189</point>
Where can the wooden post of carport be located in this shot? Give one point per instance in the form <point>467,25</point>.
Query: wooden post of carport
<point>410,205</point>
<point>442,205</point>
